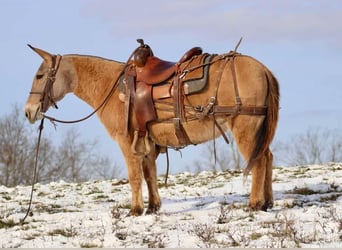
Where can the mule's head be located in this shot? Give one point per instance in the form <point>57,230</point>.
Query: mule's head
<point>52,81</point>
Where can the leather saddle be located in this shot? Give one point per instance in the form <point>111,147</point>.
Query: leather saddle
<point>148,78</point>
<point>157,70</point>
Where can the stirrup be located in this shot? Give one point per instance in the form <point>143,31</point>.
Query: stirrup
<point>146,142</point>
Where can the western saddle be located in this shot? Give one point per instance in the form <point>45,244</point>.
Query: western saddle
<point>145,80</point>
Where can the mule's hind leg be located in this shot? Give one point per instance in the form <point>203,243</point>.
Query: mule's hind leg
<point>262,193</point>
<point>244,129</point>
<point>268,191</point>
<point>150,174</point>
<point>257,196</point>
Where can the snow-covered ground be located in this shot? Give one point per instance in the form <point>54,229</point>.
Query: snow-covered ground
<point>202,210</point>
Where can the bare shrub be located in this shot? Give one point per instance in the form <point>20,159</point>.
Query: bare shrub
<point>284,232</point>
<point>225,214</point>
<point>17,151</point>
<point>315,146</point>
<point>155,241</point>
<point>227,156</point>
<point>337,218</point>
<point>205,232</point>
<point>118,216</point>
<point>74,159</point>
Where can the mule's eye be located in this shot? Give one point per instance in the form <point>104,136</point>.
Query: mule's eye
<point>39,76</point>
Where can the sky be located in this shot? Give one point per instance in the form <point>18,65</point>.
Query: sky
<point>300,41</point>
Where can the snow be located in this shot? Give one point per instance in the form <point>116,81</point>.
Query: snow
<point>198,210</point>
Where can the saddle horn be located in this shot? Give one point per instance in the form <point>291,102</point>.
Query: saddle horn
<point>141,41</point>
<point>142,53</point>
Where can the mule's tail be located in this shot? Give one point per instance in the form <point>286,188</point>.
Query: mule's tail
<point>266,131</point>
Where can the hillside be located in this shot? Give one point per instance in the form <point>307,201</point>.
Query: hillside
<point>202,210</point>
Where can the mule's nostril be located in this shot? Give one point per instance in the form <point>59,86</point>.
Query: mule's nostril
<point>27,114</point>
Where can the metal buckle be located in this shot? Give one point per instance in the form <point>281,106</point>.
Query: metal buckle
<point>183,74</point>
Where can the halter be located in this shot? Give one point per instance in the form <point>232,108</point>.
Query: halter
<point>47,93</point>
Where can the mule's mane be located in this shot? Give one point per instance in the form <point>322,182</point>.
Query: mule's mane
<point>94,57</point>
<point>95,77</point>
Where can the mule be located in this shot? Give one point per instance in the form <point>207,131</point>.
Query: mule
<point>91,78</point>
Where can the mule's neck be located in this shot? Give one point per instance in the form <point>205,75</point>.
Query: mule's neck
<point>95,77</point>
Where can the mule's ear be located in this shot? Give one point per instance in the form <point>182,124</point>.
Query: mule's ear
<point>45,55</point>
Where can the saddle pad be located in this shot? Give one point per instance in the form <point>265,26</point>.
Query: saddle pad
<point>193,82</point>
<point>196,80</point>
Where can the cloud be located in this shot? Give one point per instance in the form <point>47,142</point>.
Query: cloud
<point>261,21</point>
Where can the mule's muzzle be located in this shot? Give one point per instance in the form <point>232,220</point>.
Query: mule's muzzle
<point>33,112</point>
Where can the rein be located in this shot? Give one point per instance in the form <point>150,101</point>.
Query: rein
<point>41,126</point>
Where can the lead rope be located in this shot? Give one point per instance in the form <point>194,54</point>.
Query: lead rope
<point>41,126</point>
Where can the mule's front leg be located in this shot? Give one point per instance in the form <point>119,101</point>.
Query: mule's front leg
<point>135,175</point>
<point>150,174</point>
<point>135,180</point>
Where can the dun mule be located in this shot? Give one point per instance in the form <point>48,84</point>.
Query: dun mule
<point>239,83</point>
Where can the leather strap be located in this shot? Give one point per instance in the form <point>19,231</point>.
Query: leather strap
<point>129,79</point>
<point>221,131</point>
<point>181,134</point>
<point>243,110</point>
<point>46,94</point>
<point>178,97</point>
<point>238,102</point>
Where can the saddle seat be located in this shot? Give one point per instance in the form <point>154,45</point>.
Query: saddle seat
<point>157,70</point>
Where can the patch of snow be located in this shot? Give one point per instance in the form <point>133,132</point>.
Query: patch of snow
<point>203,210</point>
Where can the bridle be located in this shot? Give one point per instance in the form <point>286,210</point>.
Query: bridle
<point>47,93</point>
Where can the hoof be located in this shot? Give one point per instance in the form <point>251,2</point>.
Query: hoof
<point>267,205</point>
<point>256,206</point>
<point>153,209</point>
<point>261,206</point>
<point>136,212</point>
